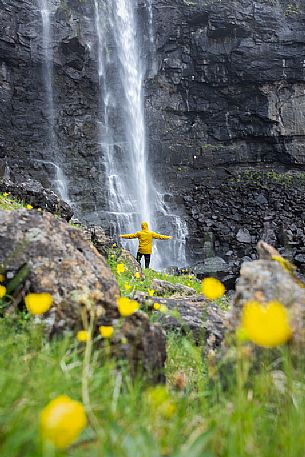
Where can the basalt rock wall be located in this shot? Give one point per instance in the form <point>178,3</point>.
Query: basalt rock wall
<point>24,126</point>
<point>230,88</point>
<point>228,96</point>
<point>229,219</point>
<point>225,92</point>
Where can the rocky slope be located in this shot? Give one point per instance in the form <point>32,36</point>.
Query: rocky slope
<point>226,93</point>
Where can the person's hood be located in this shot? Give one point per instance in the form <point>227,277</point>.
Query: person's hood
<point>144,226</point>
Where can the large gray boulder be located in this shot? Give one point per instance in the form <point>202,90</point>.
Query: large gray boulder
<point>64,264</point>
<point>267,279</point>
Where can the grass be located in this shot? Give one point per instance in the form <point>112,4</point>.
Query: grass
<point>240,406</point>
<point>250,417</point>
<point>8,203</point>
<point>144,284</point>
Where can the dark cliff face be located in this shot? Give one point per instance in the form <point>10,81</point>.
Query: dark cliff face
<point>228,93</point>
<point>230,88</point>
<point>24,115</point>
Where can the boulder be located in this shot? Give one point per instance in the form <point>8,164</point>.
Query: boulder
<point>32,192</point>
<point>214,266</point>
<point>106,245</point>
<point>243,236</point>
<point>64,264</point>
<point>162,287</point>
<point>267,279</point>
<point>204,319</point>
<point>143,345</point>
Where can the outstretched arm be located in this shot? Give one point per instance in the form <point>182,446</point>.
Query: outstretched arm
<point>130,235</point>
<point>161,237</point>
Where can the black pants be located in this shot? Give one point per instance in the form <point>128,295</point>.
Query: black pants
<point>147,259</point>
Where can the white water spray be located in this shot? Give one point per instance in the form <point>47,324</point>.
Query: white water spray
<point>60,182</point>
<point>132,197</point>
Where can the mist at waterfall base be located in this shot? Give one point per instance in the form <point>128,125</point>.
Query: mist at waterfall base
<point>133,196</point>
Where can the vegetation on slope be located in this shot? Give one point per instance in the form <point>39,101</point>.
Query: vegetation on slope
<point>204,410</point>
<point>255,416</point>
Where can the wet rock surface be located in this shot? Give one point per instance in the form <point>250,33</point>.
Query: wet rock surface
<point>224,99</point>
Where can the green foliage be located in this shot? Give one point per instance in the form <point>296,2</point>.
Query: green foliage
<point>253,417</point>
<point>287,179</point>
<point>8,203</point>
<point>293,8</point>
<point>145,282</point>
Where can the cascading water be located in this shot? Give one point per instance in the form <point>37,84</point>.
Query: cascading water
<point>122,129</point>
<point>132,196</point>
<point>153,64</point>
<point>175,253</point>
<point>60,182</point>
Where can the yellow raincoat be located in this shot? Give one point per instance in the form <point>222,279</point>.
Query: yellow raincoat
<point>145,237</point>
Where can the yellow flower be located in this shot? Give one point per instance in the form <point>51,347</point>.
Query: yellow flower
<point>266,325</point>
<point>2,278</point>
<point>157,306</point>
<point>126,306</point>
<point>5,194</point>
<point>212,288</point>
<point>62,421</point>
<point>106,331</point>
<point>82,336</point>
<point>151,292</point>
<point>120,268</point>
<point>2,291</point>
<point>29,207</point>
<point>160,402</point>
<point>137,275</point>
<point>114,245</point>
<point>127,286</point>
<point>190,277</point>
<point>38,303</point>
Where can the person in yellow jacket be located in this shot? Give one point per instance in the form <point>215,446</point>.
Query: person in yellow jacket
<point>145,237</point>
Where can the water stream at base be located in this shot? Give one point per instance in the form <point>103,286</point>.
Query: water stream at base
<point>60,181</point>
<point>131,194</point>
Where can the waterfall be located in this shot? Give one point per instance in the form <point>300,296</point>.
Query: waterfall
<point>60,182</point>
<point>121,114</point>
<point>153,64</point>
<point>175,252</point>
<point>122,137</point>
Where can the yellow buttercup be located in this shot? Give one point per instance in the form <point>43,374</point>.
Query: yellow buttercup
<point>62,421</point>
<point>126,306</point>
<point>212,288</point>
<point>266,325</point>
<point>38,303</point>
